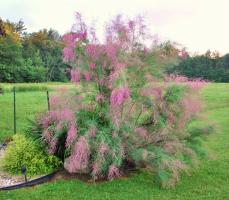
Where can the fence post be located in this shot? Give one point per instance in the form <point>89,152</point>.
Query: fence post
<point>48,100</point>
<point>14,94</point>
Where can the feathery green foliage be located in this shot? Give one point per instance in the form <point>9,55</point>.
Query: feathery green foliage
<point>23,151</point>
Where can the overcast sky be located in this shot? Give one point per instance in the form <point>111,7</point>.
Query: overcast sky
<point>197,24</point>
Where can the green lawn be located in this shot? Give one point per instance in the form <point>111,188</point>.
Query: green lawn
<point>27,104</point>
<point>209,181</point>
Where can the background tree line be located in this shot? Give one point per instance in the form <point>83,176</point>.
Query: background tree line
<point>209,66</point>
<point>30,57</point>
<point>37,57</point>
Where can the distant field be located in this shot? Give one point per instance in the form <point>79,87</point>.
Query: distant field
<point>23,87</point>
<point>208,182</point>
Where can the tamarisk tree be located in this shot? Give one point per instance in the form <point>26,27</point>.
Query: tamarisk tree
<point>120,115</point>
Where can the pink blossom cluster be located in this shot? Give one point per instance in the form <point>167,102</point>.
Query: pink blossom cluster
<point>64,100</point>
<point>142,133</point>
<point>71,135</point>
<point>54,100</point>
<point>80,36</point>
<point>52,146</point>
<point>176,78</point>
<point>113,76</point>
<point>87,76</point>
<point>96,169</point>
<point>78,33</point>
<point>111,52</point>
<point>91,50</point>
<point>79,28</point>
<point>191,107</point>
<point>119,96</point>
<point>103,149</point>
<point>92,131</point>
<point>115,115</point>
<point>68,54</point>
<point>92,66</point>
<point>47,136</point>
<point>156,91</point>
<point>131,24</point>
<point>100,98</point>
<point>75,75</point>
<point>195,84</point>
<point>58,117</point>
<point>125,33</point>
<point>52,142</point>
<point>120,66</point>
<point>117,31</point>
<point>69,39</point>
<point>79,158</point>
<point>95,51</point>
<point>113,172</point>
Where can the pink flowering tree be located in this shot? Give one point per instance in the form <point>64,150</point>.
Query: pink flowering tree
<point>120,115</point>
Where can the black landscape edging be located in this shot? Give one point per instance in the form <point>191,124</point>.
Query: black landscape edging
<point>2,146</point>
<point>33,182</point>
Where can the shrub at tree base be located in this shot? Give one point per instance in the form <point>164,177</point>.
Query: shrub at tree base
<point>123,115</point>
<point>24,152</point>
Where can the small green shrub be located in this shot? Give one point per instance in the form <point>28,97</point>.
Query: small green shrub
<point>24,152</point>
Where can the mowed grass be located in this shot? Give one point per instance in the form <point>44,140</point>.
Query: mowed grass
<point>27,105</point>
<point>210,181</point>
